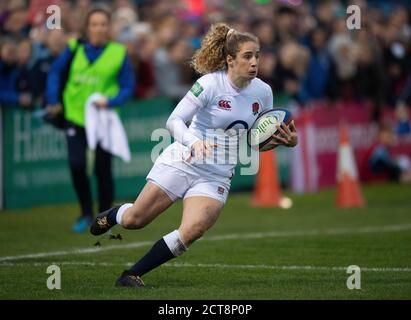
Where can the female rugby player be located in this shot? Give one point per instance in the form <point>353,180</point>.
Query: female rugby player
<point>228,95</point>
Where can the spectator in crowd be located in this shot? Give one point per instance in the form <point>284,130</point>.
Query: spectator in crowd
<point>324,13</point>
<point>15,22</point>
<point>95,64</point>
<point>369,77</point>
<point>26,80</point>
<point>265,32</point>
<point>192,33</point>
<point>289,71</point>
<point>168,63</point>
<point>123,21</point>
<point>319,68</point>
<point>9,75</point>
<point>147,45</point>
<point>268,63</point>
<point>55,43</point>
<point>396,58</point>
<point>286,24</point>
<point>344,55</point>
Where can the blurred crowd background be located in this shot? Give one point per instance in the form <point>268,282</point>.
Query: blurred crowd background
<point>307,52</point>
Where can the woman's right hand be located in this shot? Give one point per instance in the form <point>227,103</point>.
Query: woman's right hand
<point>202,148</point>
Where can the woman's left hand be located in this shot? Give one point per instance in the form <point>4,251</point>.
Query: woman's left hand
<point>287,135</point>
<point>101,103</point>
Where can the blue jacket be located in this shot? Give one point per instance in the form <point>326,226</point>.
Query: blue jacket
<point>8,84</point>
<point>316,78</point>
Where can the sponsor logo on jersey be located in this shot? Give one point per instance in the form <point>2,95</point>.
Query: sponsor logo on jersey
<point>220,190</point>
<point>196,89</point>
<point>224,104</point>
<point>255,107</point>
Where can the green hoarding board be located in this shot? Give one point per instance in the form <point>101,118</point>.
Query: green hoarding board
<point>35,158</point>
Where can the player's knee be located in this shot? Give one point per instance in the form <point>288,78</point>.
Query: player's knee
<point>193,233</point>
<point>133,221</point>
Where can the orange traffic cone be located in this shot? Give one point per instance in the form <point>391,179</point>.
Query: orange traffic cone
<point>349,193</point>
<point>267,191</point>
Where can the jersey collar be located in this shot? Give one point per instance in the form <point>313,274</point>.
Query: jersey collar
<point>233,88</point>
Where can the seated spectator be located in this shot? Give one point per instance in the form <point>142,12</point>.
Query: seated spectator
<point>380,163</point>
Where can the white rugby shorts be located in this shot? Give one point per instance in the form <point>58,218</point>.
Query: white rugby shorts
<point>185,181</point>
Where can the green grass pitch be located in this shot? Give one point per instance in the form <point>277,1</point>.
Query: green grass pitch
<point>251,253</point>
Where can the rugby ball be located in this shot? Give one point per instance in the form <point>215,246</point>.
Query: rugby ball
<point>265,126</point>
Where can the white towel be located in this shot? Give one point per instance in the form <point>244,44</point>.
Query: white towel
<point>104,126</point>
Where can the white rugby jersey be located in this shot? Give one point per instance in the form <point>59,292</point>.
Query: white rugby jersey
<point>214,106</point>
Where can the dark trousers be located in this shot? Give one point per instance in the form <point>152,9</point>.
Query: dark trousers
<point>77,147</point>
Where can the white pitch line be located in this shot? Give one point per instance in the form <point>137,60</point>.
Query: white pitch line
<point>315,232</point>
<point>61,263</point>
<point>76,251</point>
<point>236,236</point>
<point>208,265</point>
<point>276,267</point>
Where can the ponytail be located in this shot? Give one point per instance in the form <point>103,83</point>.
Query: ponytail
<point>219,42</point>
<point>211,56</point>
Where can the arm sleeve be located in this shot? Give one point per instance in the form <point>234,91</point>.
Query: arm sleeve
<point>269,99</point>
<point>126,82</point>
<point>54,76</point>
<point>193,101</point>
<point>176,123</point>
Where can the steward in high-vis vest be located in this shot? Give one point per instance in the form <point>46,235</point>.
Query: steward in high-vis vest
<point>86,78</point>
<point>94,65</point>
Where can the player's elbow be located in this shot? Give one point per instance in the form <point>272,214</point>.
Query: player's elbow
<point>169,124</point>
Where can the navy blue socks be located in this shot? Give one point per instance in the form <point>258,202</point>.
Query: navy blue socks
<point>158,254</point>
